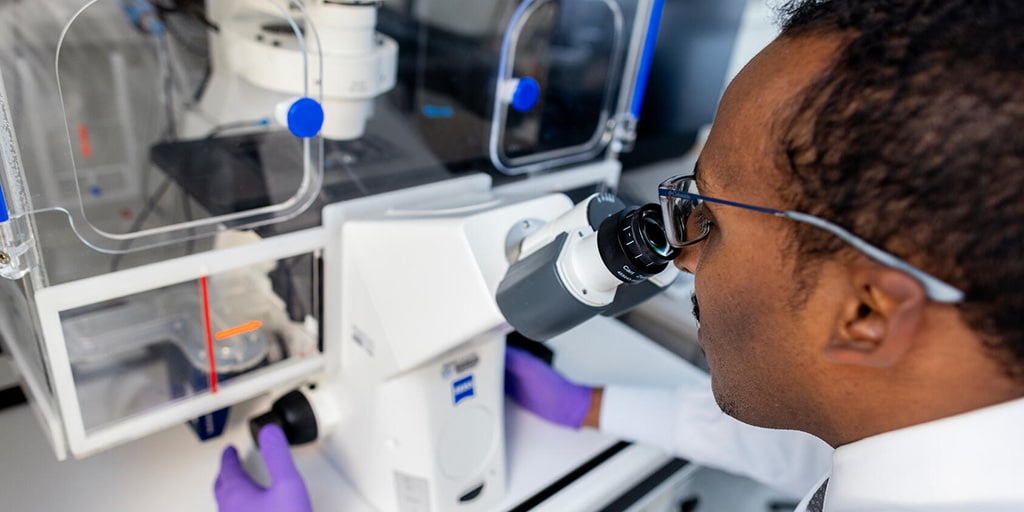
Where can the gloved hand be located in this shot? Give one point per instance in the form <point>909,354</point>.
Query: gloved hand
<point>237,492</point>
<point>538,388</point>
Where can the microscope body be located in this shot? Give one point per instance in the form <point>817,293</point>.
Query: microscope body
<point>419,384</point>
<point>422,286</point>
<point>262,60</point>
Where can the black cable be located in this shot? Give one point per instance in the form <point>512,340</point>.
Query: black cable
<point>172,129</point>
<point>203,82</point>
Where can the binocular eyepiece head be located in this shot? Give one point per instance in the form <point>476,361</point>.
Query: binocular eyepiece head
<point>633,243</point>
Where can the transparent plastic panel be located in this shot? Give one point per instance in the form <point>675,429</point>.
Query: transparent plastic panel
<point>96,144</point>
<point>514,86</point>
<point>138,353</point>
<point>158,151</point>
<point>561,69</point>
<point>18,332</point>
<point>19,335</point>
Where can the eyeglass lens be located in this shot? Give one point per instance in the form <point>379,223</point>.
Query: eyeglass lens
<point>684,228</point>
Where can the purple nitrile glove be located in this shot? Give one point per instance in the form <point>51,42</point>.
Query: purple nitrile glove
<point>538,388</point>
<point>236,491</point>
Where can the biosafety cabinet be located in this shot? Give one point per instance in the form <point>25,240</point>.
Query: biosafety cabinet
<point>165,166</point>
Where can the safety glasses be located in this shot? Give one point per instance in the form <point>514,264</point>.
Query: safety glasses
<point>679,199</point>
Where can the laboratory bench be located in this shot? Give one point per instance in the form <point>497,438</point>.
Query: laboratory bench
<point>550,468</point>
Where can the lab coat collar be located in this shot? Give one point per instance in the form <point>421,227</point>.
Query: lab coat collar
<point>973,459</point>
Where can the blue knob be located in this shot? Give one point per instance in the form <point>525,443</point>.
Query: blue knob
<point>526,95</point>
<point>305,118</point>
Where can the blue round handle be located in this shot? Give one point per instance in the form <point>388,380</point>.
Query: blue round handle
<point>526,95</point>
<point>305,118</point>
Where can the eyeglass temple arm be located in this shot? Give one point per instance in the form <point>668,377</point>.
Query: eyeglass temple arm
<point>935,289</point>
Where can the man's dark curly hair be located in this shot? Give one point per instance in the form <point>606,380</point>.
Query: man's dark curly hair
<point>914,140</point>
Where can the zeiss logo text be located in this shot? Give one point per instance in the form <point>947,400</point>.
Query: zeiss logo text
<point>462,389</point>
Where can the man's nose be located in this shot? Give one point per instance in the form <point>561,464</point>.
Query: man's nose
<point>688,257</point>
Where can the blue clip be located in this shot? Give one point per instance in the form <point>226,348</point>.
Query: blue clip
<point>526,95</point>
<point>305,118</point>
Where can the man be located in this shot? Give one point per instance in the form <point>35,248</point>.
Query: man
<point>886,317</point>
<point>854,229</point>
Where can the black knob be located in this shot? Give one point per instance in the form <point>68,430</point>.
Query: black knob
<point>293,413</point>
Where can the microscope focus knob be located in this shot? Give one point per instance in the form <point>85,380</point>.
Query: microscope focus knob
<point>294,414</point>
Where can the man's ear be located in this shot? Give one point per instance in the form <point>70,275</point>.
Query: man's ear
<point>880,319</point>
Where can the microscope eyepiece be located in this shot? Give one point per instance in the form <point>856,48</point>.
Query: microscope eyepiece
<point>574,271</point>
<point>652,232</point>
<point>633,243</point>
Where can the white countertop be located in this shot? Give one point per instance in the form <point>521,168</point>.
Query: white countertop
<point>172,471</point>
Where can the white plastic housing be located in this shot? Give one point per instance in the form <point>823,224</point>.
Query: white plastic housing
<point>347,60</point>
<point>420,387</point>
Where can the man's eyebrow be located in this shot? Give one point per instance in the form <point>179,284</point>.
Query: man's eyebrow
<point>698,177</point>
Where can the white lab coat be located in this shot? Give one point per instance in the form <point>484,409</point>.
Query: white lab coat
<point>970,462</point>
<point>687,421</point>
